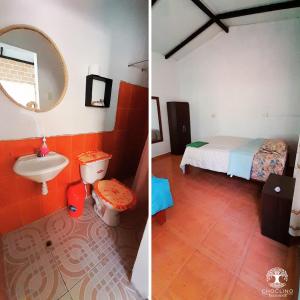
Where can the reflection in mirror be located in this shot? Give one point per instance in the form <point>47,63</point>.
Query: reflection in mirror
<point>18,75</point>
<point>157,134</point>
<point>32,71</point>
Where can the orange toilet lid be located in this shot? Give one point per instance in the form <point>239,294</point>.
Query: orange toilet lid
<point>91,156</point>
<point>115,193</point>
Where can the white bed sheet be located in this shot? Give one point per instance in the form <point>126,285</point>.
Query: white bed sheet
<point>214,156</point>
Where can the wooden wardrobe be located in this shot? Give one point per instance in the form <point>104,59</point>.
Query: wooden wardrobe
<point>179,126</point>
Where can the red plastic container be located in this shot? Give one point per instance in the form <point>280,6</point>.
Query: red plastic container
<point>76,197</point>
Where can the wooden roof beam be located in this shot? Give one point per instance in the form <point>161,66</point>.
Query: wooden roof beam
<point>210,14</point>
<point>189,38</point>
<point>259,9</point>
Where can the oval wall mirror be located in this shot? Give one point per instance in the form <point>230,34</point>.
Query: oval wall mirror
<point>32,71</point>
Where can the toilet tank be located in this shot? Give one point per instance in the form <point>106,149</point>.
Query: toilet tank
<point>93,170</point>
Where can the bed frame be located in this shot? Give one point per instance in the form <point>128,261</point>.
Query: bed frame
<point>160,217</point>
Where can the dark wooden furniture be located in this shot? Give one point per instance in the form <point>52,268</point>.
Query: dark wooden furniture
<point>179,126</point>
<point>276,208</point>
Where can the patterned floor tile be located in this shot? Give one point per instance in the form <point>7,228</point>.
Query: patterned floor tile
<point>38,278</point>
<point>20,244</point>
<point>46,281</point>
<point>66,296</point>
<point>86,258</point>
<point>105,282</point>
<point>16,273</point>
<point>74,259</point>
<point>59,227</point>
<point>99,232</point>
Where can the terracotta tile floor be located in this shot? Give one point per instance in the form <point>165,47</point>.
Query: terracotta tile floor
<point>87,259</point>
<point>211,246</point>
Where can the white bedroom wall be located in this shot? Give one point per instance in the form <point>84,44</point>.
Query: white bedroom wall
<point>245,83</point>
<point>164,86</point>
<point>108,33</point>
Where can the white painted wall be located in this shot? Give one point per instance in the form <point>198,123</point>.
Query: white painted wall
<point>245,83</point>
<point>164,86</point>
<point>140,271</point>
<point>111,33</point>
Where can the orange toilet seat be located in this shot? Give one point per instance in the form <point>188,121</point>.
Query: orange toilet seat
<point>115,193</point>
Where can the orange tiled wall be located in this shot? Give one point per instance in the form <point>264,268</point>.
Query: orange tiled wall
<point>21,201</point>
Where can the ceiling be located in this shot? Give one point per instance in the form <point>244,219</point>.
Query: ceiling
<point>175,20</point>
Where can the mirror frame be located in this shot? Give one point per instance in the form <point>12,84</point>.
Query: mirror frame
<point>62,62</point>
<point>159,121</point>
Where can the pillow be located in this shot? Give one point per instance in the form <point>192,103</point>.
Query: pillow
<point>274,145</point>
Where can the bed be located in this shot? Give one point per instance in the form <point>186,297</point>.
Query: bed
<point>265,156</point>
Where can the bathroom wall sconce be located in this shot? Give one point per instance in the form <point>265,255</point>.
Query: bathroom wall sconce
<point>98,91</point>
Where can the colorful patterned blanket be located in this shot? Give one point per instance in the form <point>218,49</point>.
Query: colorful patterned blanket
<point>269,159</point>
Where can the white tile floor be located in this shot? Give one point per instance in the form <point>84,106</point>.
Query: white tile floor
<point>87,259</point>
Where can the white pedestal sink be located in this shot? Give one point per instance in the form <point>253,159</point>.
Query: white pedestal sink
<point>41,169</point>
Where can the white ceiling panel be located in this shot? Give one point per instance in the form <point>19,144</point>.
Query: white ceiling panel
<point>173,21</point>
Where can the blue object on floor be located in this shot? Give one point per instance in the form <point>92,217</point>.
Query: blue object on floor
<point>161,194</point>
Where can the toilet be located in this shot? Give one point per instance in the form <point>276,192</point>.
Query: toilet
<point>111,197</point>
